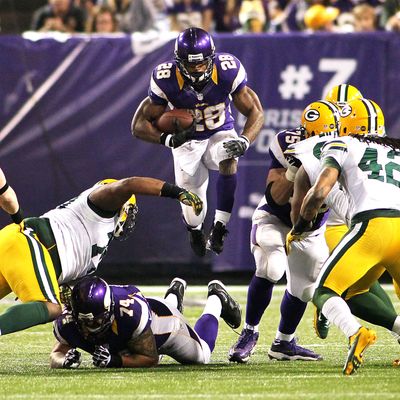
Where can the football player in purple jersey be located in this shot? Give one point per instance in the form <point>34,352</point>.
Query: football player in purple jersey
<point>205,83</point>
<point>120,327</point>
<point>8,200</point>
<point>271,223</point>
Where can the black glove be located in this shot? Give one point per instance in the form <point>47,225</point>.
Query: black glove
<point>180,136</point>
<point>72,359</point>
<point>102,358</point>
<point>237,147</point>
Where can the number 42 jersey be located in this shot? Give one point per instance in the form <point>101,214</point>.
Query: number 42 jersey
<point>369,172</point>
<point>212,105</point>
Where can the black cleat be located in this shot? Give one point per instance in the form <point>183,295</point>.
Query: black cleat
<point>217,236</point>
<point>231,312</point>
<point>177,287</point>
<point>197,241</point>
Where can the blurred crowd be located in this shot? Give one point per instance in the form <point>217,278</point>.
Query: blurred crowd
<point>240,16</point>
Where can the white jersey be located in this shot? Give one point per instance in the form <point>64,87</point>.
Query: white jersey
<point>82,236</point>
<point>308,152</point>
<point>369,172</point>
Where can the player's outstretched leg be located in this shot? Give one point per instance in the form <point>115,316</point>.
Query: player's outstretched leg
<point>175,293</point>
<point>358,343</point>
<point>219,304</point>
<point>231,312</point>
<point>258,298</point>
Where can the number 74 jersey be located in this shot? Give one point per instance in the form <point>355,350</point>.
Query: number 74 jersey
<point>211,106</point>
<point>369,172</point>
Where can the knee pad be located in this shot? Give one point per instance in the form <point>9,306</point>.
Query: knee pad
<point>268,266</point>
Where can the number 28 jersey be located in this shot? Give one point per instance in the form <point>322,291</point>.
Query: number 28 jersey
<point>369,172</point>
<point>212,105</point>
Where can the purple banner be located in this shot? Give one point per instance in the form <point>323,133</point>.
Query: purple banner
<point>67,107</point>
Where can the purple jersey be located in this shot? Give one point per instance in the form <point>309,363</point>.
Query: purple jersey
<point>212,105</point>
<point>132,317</point>
<point>278,146</point>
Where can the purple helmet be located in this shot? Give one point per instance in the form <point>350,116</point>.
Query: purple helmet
<point>92,306</point>
<point>195,46</point>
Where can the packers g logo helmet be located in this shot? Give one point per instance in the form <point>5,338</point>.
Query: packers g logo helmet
<point>342,94</point>
<point>362,117</point>
<point>320,117</point>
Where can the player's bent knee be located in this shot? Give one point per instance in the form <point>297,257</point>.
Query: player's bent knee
<point>272,271</point>
<point>273,275</point>
<point>321,295</point>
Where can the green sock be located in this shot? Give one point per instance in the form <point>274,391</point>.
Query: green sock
<point>377,290</point>
<point>371,308</point>
<point>23,316</point>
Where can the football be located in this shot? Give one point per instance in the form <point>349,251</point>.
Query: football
<point>166,122</point>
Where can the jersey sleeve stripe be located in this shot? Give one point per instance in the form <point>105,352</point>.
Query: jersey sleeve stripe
<point>240,77</point>
<point>157,90</point>
<point>144,317</point>
<point>337,147</point>
<point>332,163</point>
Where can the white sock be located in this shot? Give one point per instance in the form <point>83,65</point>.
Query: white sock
<point>253,328</point>
<point>338,312</point>
<point>284,336</point>
<point>396,328</point>
<point>172,299</point>
<point>222,216</point>
<point>213,306</point>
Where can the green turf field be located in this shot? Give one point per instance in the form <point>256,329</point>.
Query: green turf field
<point>25,373</point>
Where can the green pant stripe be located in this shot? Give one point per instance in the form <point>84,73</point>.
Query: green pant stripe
<point>41,272</point>
<point>348,240</point>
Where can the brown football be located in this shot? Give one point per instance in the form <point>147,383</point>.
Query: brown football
<point>166,122</point>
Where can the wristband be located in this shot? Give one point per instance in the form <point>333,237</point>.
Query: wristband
<point>246,139</point>
<point>4,188</point>
<point>17,217</point>
<point>115,362</point>
<point>166,139</point>
<point>170,190</point>
<point>301,225</point>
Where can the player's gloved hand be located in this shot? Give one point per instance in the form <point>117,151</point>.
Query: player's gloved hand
<point>102,358</point>
<point>293,167</point>
<point>180,136</point>
<point>297,233</point>
<point>72,359</point>
<point>291,237</point>
<point>237,147</point>
<point>192,200</point>
<point>65,296</point>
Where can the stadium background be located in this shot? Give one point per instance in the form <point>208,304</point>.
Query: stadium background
<point>65,116</point>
